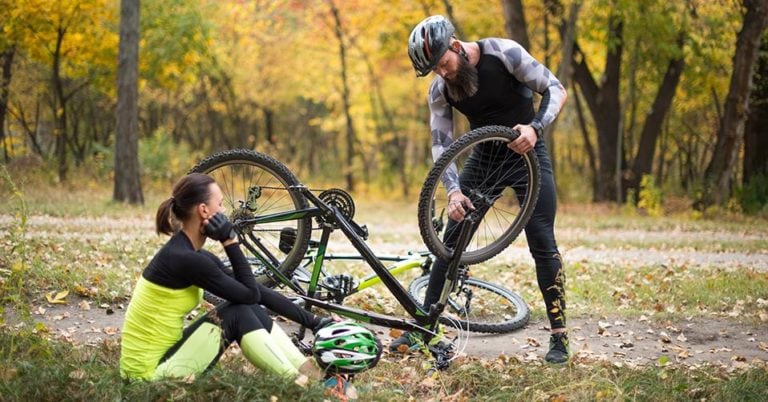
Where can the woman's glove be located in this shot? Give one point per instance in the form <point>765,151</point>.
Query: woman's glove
<point>219,228</point>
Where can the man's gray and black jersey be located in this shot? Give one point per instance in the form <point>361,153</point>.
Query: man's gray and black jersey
<point>508,75</point>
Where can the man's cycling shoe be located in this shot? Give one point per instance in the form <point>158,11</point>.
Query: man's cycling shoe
<point>559,350</point>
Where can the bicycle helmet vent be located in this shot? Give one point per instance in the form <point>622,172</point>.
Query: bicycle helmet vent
<point>428,42</point>
<point>346,347</point>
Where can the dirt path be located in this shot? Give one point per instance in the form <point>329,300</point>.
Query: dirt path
<point>716,340</point>
<point>623,343</point>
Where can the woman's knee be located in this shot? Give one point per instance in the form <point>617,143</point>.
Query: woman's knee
<point>239,319</point>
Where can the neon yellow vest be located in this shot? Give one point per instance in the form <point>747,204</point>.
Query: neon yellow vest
<point>153,323</point>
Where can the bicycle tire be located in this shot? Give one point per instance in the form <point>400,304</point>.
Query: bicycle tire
<point>256,184</point>
<point>507,213</point>
<point>492,309</point>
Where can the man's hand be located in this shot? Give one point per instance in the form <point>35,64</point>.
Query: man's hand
<point>458,205</point>
<point>525,141</point>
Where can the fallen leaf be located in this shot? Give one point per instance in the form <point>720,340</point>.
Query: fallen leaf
<point>8,374</point>
<point>395,333</point>
<point>681,338</point>
<point>664,337</point>
<point>428,382</point>
<point>110,330</point>
<point>78,374</point>
<point>84,305</point>
<point>57,298</point>
<point>558,398</point>
<point>533,342</point>
<point>301,380</point>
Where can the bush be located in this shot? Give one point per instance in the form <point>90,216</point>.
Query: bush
<point>650,197</point>
<point>754,196</point>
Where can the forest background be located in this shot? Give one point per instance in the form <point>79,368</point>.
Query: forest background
<point>666,99</point>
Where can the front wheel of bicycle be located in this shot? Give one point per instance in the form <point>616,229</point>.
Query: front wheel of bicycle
<point>479,306</point>
<point>502,185</point>
<point>255,185</point>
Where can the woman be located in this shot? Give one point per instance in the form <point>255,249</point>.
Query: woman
<point>154,343</point>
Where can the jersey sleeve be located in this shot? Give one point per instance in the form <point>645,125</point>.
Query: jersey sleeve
<point>533,74</point>
<point>441,126</point>
<point>237,285</point>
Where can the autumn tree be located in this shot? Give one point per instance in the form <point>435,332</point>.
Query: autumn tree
<point>718,177</point>
<point>127,179</point>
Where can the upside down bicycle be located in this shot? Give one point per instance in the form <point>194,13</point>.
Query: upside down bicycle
<point>275,216</point>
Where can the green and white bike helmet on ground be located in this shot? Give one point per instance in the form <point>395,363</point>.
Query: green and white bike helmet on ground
<point>346,347</point>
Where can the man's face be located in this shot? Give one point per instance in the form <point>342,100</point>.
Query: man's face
<point>460,77</point>
<point>447,66</point>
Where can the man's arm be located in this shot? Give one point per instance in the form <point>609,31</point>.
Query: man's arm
<point>441,125</point>
<point>534,75</point>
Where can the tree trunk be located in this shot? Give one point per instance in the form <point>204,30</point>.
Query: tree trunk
<point>350,137</point>
<point>452,18</point>
<point>604,104</point>
<point>755,138</point>
<point>720,170</point>
<point>567,28</point>
<point>591,158</point>
<point>654,121</point>
<point>59,106</point>
<point>6,62</point>
<point>127,175</point>
<point>514,22</point>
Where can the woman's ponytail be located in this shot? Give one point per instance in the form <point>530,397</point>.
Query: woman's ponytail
<point>190,191</point>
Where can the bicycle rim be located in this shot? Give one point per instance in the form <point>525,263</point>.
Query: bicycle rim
<point>505,186</point>
<point>253,185</point>
<point>479,306</point>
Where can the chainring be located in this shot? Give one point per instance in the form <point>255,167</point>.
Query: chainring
<point>339,199</point>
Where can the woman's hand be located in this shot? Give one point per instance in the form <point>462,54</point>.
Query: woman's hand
<point>219,228</point>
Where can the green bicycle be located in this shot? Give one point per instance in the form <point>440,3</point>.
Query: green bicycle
<point>275,217</point>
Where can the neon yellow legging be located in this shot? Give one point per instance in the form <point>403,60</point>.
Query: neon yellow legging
<point>203,344</point>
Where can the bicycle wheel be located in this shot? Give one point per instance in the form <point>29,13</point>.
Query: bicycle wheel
<point>502,185</point>
<point>255,184</point>
<point>479,306</point>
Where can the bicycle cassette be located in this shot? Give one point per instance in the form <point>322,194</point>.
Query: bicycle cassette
<point>339,199</point>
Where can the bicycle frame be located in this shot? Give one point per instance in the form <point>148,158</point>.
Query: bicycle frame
<point>423,321</point>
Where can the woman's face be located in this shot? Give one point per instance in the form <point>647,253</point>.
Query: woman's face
<point>215,201</point>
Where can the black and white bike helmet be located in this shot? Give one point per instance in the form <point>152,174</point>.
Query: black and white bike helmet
<point>428,42</point>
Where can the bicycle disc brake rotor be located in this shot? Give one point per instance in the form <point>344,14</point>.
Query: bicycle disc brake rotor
<point>341,200</point>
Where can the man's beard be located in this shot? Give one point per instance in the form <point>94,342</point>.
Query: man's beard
<point>465,83</point>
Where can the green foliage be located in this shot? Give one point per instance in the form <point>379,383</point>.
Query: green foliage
<point>650,197</point>
<point>163,159</point>
<point>754,196</point>
<point>14,262</point>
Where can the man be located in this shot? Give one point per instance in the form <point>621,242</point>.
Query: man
<point>491,81</point>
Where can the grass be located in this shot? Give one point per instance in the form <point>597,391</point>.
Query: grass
<point>74,238</point>
<point>34,369</point>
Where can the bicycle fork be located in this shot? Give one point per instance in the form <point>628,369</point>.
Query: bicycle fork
<point>442,354</point>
